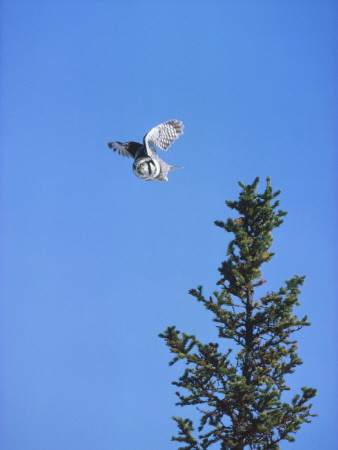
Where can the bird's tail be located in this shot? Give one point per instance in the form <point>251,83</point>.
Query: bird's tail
<point>165,168</point>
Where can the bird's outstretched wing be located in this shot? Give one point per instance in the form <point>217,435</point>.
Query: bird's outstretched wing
<point>163,135</point>
<point>127,149</point>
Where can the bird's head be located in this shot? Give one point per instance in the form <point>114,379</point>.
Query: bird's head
<point>146,168</point>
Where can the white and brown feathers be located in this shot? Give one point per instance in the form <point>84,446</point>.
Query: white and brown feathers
<point>147,164</point>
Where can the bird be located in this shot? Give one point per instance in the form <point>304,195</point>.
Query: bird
<point>147,164</point>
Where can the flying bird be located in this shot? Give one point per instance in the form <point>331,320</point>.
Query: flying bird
<point>147,164</point>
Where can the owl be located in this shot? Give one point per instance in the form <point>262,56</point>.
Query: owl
<point>147,164</point>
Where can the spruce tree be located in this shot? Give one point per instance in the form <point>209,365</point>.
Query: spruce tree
<point>238,385</point>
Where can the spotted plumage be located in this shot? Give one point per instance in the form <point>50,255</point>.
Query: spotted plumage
<point>147,164</point>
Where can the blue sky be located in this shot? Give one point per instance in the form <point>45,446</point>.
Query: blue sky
<point>96,262</point>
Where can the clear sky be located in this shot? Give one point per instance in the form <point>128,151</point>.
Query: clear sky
<point>96,262</point>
